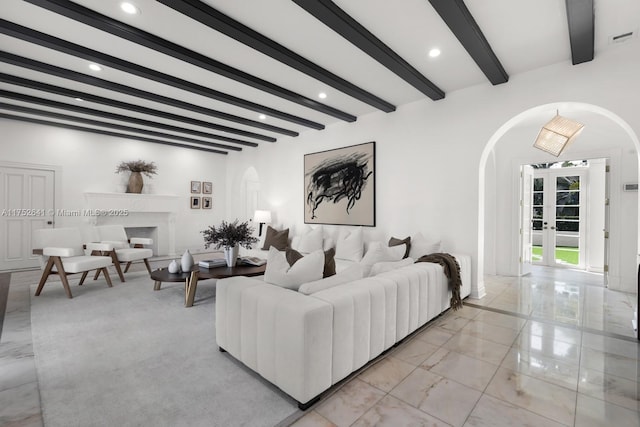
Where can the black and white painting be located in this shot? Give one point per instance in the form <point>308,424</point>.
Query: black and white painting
<point>340,186</point>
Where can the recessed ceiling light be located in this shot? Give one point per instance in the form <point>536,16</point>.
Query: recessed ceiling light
<point>79,99</point>
<point>262,117</point>
<point>435,52</point>
<point>322,95</point>
<point>129,8</point>
<point>95,67</point>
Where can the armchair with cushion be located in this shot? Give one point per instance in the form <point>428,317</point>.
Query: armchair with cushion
<point>63,253</point>
<point>122,251</point>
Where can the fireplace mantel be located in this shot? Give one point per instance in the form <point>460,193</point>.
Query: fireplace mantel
<point>133,202</point>
<point>156,211</point>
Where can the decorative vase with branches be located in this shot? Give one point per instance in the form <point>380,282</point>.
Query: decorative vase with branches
<point>230,236</point>
<point>137,168</point>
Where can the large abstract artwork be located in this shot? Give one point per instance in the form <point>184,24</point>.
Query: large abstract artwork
<point>340,186</point>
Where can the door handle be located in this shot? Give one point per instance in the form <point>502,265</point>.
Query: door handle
<point>49,222</point>
<point>545,227</point>
<point>553,228</point>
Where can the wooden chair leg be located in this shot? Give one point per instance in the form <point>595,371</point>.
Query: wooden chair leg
<point>45,274</point>
<point>97,253</point>
<point>114,257</point>
<point>84,276</point>
<point>127,266</point>
<point>146,263</point>
<point>63,275</point>
<point>106,276</point>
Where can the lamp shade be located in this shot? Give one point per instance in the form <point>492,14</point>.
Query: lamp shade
<point>262,217</point>
<point>557,135</point>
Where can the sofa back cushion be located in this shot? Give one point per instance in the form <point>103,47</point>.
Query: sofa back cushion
<point>310,240</point>
<point>420,246</point>
<point>379,252</point>
<point>384,266</point>
<point>350,245</point>
<point>307,269</point>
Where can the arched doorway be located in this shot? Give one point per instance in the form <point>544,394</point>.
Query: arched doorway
<point>539,115</point>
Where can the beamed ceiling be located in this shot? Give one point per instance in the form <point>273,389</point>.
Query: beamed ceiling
<point>229,75</point>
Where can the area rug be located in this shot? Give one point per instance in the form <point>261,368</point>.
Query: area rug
<point>131,356</point>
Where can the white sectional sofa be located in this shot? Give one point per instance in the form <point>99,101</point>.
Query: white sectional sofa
<point>304,344</point>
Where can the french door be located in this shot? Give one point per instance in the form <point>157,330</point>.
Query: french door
<point>558,213</point>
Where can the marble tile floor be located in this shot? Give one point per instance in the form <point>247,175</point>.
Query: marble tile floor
<point>552,349</point>
<point>555,349</point>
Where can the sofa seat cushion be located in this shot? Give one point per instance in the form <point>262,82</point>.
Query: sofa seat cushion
<point>384,266</point>
<point>133,254</point>
<point>349,275</point>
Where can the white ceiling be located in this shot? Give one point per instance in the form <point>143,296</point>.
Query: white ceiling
<point>524,35</point>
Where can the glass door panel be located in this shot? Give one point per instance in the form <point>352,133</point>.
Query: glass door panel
<point>567,220</point>
<point>537,220</point>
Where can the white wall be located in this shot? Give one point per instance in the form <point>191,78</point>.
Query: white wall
<point>428,153</point>
<point>88,162</point>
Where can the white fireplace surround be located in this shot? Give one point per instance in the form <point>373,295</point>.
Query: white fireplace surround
<point>137,211</point>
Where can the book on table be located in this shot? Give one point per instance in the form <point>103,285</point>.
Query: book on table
<point>252,260</point>
<point>212,263</point>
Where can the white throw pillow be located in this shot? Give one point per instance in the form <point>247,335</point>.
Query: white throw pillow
<point>307,269</point>
<point>350,245</point>
<point>380,252</point>
<point>420,246</point>
<point>349,275</point>
<point>382,267</point>
<point>310,240</point>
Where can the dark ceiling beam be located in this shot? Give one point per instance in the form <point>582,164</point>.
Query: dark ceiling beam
<point>107,115</point>
<point>82,14</point>
<point>42,39</point>
<point>339,21</point>
<point>212,18</point>
<point>580,18</point>
<point>64,73</point>
<point>76,119</point>
<point>73,94</point>
<point>461,23</point>
<point>106,132</point>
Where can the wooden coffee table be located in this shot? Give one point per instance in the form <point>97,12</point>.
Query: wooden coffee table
<point>197,273</point>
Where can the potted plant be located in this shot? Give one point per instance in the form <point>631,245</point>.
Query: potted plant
<point>230,236</point>
<point>137,168</point>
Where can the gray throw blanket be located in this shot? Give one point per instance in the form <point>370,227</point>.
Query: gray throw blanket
<point>452,271</point>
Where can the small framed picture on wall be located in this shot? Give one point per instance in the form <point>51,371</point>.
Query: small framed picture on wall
<point>195,187</point>
<point>207,187</point>
<point>195,202</point>
<point>206,203</point>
